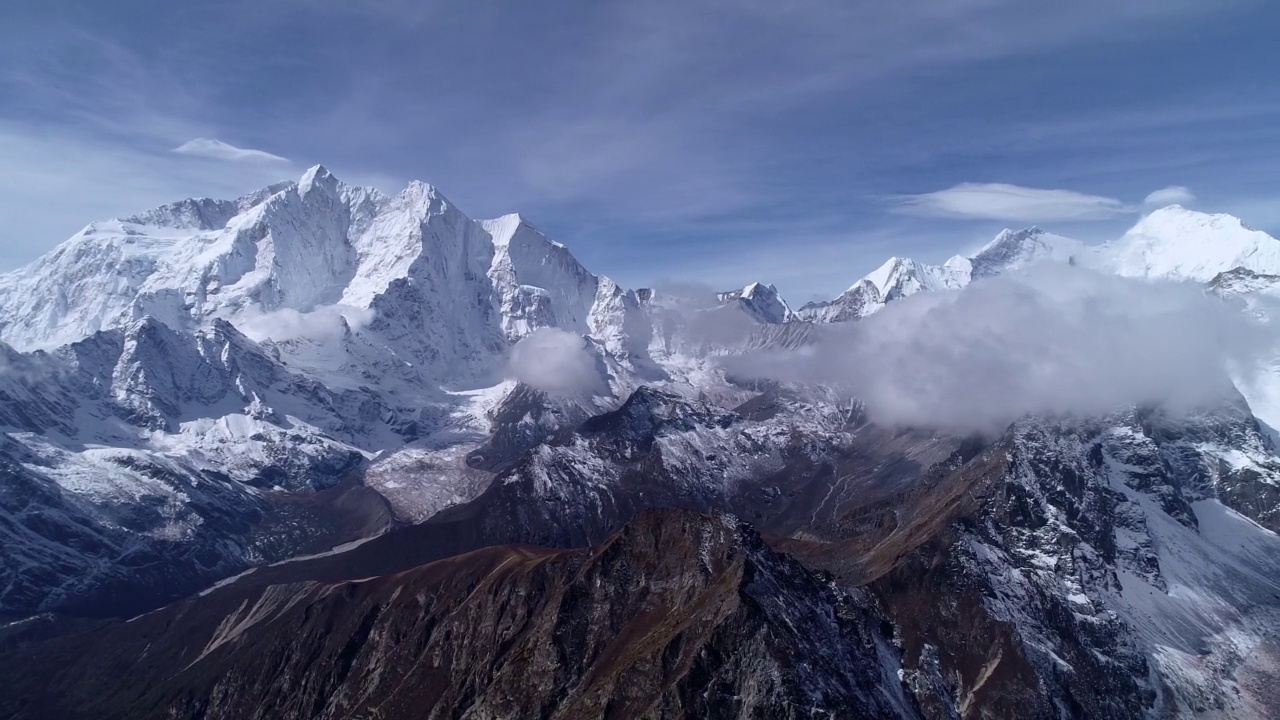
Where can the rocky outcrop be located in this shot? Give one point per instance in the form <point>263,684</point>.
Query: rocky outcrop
<point>679,615</point>
<point>1073,570</point>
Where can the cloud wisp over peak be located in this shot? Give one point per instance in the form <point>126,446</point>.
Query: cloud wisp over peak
<point>212,149</point>
<point>1014,203</point>
<point>1172,195</point>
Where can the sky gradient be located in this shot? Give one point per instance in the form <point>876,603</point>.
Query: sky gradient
<point>799,143</point>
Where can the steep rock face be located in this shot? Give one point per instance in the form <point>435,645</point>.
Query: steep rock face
<point>539,282</point>
<point>1073,570</point>
<point>1017,249</point>
<point>680,615</point>
<point>442,290</point>
<point>859,301</point>
<point>1068,569</point>
<point>1242,282</point>
<point>111,532</point>
<point>761,303</point>
<point>144,462</point>
<point>782,464</point>
<point>279,342</point>
<point>182,391</point>
<point>658,449</point>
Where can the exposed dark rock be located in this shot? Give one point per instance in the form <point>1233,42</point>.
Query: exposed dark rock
<point>680,615</point>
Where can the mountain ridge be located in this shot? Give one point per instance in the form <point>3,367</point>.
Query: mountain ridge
<point>311,400</point>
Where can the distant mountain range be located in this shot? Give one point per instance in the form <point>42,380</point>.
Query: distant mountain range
<point>282,430</point>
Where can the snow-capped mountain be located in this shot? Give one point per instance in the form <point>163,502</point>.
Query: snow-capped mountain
<point>1018,249</point>
<point>282,343</point>
<point>760,302</point>
<point>900,277</point>
<point>897,278</point>
<point>400,263</point>
<point>277,343</point>
<point>226,390</point>
<point>1181,244</point>
<point>1172,243</point>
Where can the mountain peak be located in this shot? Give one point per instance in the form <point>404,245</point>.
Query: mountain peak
<point>503,229</point>
<point>761,302</point>
<point>1008,235</point>
<point>1178,243</point>
<point>1182,218</point>
<point>1016,249</point>
<point>188,214</point>
<point>317,176</point>
<point>881,276</point>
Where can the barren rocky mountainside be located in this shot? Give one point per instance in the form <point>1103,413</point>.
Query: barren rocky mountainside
<point>280,457</point>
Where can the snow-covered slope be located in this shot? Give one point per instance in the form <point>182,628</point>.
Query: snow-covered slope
<point>1171,243</point>
<point>1182,244</point>
<point>211,385</point>
<point>425,280</point>
<point>1018,249</point>
<point>901,277</point>
<point>760,302</point>
<point>278,342</point>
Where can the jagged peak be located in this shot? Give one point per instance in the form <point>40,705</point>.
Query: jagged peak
<point>418,187</point>
<point>760,301</point>
<point>881,276</point>
<point>1010,233</point>
<point>189,213</point>
<point>1014,249</point>
<point>899,270</point>
<point>748,292</point>
<point>318,176</point>
<point>1009,236</point>
<point>503,230</point>
<point>419,193</point>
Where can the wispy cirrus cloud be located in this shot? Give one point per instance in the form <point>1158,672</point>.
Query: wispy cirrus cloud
<point>1172,195</point>
<point>1002,201</point>
<point>212,149</point>
<point>47,170</point>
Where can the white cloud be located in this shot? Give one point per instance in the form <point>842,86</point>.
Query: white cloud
<point>218,150</point>
<point>1001,201</point>
<point>1060,341</point>
<point>1172,195</point>
<point>329,322</point>
<point>556,362</point>
<point>55,181</point>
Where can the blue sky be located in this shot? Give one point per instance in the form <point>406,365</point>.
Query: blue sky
<point>725,141</point>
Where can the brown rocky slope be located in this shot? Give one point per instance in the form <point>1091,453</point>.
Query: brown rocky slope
<point>679,615</point>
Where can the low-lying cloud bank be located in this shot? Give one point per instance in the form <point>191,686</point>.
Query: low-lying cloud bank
<point>1059,341</point>
<point>556,362</point>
